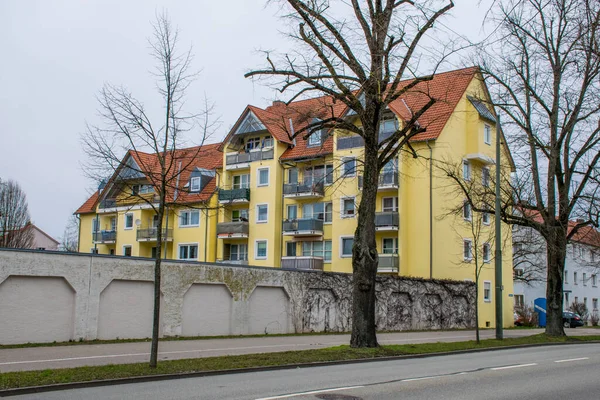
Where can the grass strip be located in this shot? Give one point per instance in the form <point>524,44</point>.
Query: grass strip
<point>11,380</point>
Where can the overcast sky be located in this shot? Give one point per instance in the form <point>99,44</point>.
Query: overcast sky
<point>58,54</point>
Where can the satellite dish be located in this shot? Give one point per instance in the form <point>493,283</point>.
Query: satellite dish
<point>138,222</point>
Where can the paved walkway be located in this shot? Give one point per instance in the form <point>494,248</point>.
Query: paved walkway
<point>36,358</point>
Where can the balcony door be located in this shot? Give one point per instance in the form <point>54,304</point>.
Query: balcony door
<point>390,204</point>
<point>390,246</point>
<point>241,181</point>
<point>238,252</point>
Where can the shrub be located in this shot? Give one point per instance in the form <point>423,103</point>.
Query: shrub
<point>581,309</point>
<point>527,316</point>
<point>594,318</point>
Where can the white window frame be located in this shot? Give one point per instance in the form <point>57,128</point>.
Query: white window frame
<point>238,252</point>
<point>470,258</point>
<point>489,253</point>
<point>487,134</point>
<point>342,255</point>
<point>127,246</point>
<point>394,204</point>
<point>485,218</point>
<point>180,245</point>
<point>315,139</point>
<point>485,177</point>
<point>258,213</point>
<point>195,184</point>
<point>594,304</point>
<point>584,278</point>
<point>342,210</point>
<point>487,299</point>
<point>127,228</point>
<point>258,171</point>
<point>466,170</point>
<point>467,207</point>
<point>256,242</point>
<point>394,243</point>
<point>190,225</point>
<point>344,162</point>
<point>241,183</point>
<point>240,211</point>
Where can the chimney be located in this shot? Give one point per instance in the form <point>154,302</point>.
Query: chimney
<point>278,103</point>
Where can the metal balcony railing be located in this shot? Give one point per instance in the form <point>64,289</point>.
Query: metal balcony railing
<point>303,225</point>
<point>317,189</point>
<point>386,180</point>
<point>388,263</point>
<point>387,219</point>
<point>233,228</point>
<point>242,194</point>
<point>349,142</point>
<point>105,236</point>
<point>242,158</point>
<point>307,262</point>
<point>107,203</point>
<point>150,234</point>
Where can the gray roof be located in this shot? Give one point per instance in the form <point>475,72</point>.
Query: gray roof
<point>481,108</point>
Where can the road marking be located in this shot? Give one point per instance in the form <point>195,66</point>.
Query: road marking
<point>286,396</point>
<point>572,359</point>
<point>513,366</point>
<point>147,354</point>
<point>419,379</point>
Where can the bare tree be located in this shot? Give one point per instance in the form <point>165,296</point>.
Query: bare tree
<point>154,144</point>
<point>70,238</point>
<point>14,217</point>
<point>543,73</point>
<point>362,55</point>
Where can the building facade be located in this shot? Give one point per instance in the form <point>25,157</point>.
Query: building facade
<point>278,199</point>
<point>580,278</point>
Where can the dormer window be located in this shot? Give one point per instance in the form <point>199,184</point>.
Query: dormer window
<point>141,189</point>
<point>195,184</point>
<point>267,142</point>
<point>315,139</point>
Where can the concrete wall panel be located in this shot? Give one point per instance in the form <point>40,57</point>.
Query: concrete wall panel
<point>269,311</point>
<point>206,311</point>
<point>36,310</point>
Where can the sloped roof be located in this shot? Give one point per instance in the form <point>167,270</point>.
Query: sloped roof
<point>585,235</point>
<point>205,157</point>
<point>482,109</point>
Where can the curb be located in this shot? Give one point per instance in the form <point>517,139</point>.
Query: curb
<point>199,374</point>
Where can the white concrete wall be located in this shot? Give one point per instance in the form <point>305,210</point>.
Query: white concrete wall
<point>54,296</point>
<point>33,309</point>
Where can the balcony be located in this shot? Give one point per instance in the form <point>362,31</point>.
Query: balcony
<point>241,195</point>
<point>149,235</point>
<point>349,142</point>
<point>107,203</point>
<point>235,261</point>
<point>303,227</point>
<point>308,263</point>
<point>388,263</point>
<point>303,191</point>
<point>387,181</point>
<point>387,221</point>
<point>105,237</point>
<point>243,160</point>
<point>233,230</point>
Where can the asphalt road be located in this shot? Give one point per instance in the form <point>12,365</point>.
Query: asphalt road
<point>36,358</point>
<point>552,372</point>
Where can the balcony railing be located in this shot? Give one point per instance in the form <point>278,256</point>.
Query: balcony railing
<point>107,203</point>
<point>245,158</point>
<point>150,234</point>
<point>388,263</point>
<point>303,227</point>
<point>238,229</point>
<point>387,220</point>
<point>310,263</point>
<point>105,237</point>
<point>235,260</point>
<point>349,142</point>
<point>387,180</point>
<point>234,195</point>
<point>304,190</point>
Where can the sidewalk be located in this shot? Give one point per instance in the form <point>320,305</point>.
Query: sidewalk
<point>37,358</point>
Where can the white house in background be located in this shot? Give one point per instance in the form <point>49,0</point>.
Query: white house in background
<point>582,268</point>
<point>41,240</point>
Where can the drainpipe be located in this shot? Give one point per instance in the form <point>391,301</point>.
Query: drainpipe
<point>97,227</point>
<point>205,232</point>
<point>430,210</point>
<point>166,236</point>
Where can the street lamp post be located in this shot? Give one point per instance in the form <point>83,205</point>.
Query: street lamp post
<point>498,245</point>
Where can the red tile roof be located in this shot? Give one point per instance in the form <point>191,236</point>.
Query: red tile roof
<point>585,235</point>
<point>89,206</point>
<point>205,157</point>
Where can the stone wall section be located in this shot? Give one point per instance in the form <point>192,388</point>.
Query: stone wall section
<point>224,299</point>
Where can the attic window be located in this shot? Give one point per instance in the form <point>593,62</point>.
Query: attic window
<point>195,184</point>
<point>141,189</point>
<point>315,139</point>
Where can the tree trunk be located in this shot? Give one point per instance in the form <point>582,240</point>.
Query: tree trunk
<point>477,338</point>
<point>556,252</point>
<point>157,283</point>
<point>365,257</point>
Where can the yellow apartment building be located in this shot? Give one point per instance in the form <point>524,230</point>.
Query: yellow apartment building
<point>263,197</point>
